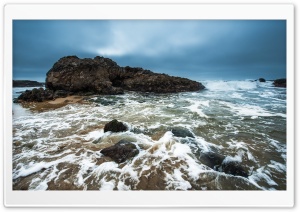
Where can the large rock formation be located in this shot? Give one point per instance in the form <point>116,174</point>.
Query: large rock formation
<point>103,76</point>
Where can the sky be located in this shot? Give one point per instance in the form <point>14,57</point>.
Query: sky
<point>195,49</point>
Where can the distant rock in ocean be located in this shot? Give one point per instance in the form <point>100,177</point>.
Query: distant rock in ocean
<point>27,83</point>
<point>280,83</point>
<point>103,76</point>
<point>261,80</point>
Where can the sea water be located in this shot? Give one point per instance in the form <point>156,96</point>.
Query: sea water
<point>244,121</point>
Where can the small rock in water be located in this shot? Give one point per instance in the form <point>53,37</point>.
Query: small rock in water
<point>211,159</point>
<point>182,132</point>
<point>121,151</point>
<point>115,126</point>
<point>234,168</point>
<point>261,80</point>
<point>280,83</point>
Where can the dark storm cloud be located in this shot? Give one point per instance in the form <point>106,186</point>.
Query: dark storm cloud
<point>194,49</point>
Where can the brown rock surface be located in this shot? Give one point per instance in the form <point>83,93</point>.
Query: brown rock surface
<point>103,76</point>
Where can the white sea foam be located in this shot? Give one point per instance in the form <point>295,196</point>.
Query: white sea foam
<point>35,167</point>
<point>261,174</point>
<point>230,85</point>
<point>94,135</point>
<point>253,111</point>
<point>107,185</point>
<point>277,166</point>
<point>195,107</point>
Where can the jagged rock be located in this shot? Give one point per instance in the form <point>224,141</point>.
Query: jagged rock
<point>182,132</point>
<point>233,168</point>
<point>27,83</point>
<point>103,76</point>
<point>121,151</point>
<point>280,83</point>
<point>35,95</point>
<point>212,160</point>
<point>261,80</point>
<point>115,126</point>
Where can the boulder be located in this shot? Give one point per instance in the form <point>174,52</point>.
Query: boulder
<point>103,76</point>
<point>115,126</point>
<point>182,132</point>
<point>261,80</point>
<point>280,83</point>
<point>121,151</point>
<point>233,168</point>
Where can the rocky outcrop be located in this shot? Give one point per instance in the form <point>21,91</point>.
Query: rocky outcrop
<point>261,80</point>
<point>40,95</point>
<point>280,83</point>
<point>27,83</point>
<point>35,95</point>
<point>103,76</point>
<point>121,151</point>
<point>115,126</point>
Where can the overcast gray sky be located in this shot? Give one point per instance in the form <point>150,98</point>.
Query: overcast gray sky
<point>196,49</point>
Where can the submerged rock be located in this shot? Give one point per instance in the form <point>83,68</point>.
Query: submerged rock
<point>212,160</point>
<point>121,151</point>
<point>261,80</point>
<point>182,132</point>
<point>234,168</point>
<point>103,76</point>
<point>115,126</point>
<point>280,83</point>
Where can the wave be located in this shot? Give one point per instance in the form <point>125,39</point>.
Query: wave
<point>230,85</point>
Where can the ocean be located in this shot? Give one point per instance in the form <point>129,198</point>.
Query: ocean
<point>230,122</point>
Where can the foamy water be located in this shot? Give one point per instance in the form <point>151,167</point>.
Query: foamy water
<point>243,121</point>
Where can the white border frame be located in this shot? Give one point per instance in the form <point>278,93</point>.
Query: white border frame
<point>147,198</point>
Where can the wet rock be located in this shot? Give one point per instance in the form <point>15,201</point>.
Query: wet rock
<point>103,76</point>
<point>182,132</point>
<point>261,80</point>
<point>35,95</point>
<point>121,151</point>
<point>212,160</point>
<point>233,168</point>
<point>115,126</point>
<point>280,83</point>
